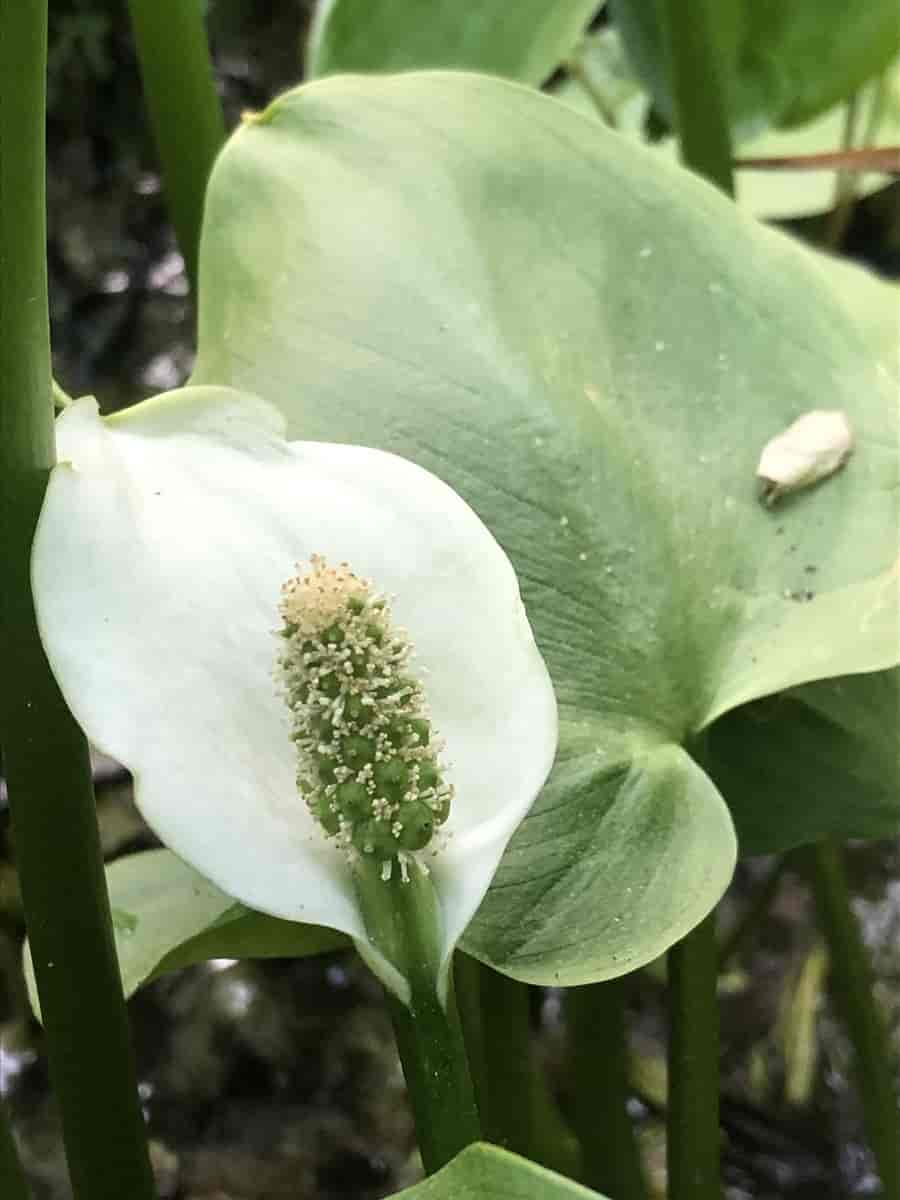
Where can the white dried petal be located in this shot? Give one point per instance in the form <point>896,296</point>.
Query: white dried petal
<point>813,447</point>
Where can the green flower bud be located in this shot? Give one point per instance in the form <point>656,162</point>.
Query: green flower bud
<point>420,729</point>
<point>374,837</point>
<point>358,751</point>
<point>429,776</point>
<point>414,825</point>
<point>353,800</point>
<point>392,776</point>
<point>328,818</point>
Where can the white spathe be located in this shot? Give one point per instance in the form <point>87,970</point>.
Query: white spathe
<point>166,534</point>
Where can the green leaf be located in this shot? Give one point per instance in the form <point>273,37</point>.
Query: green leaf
<point>870,303</point>
<point>605,82</point>
<point>829,748</point>
<point>787,193</point>
<point>166,915</point>
<point>526,40</point>
<point>789,62</point>
<point>619,856</point>
<point>592,347</point>
<point>484,1172</point>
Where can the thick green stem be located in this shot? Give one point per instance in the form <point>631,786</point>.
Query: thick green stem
<point>517,1106</point>
<point>506,1032</point>
<point>851,981</point>
<point>12,1177</point>
<point>598,1057</point>
<point>45,754</point>
<point>693,1118</point>
<point>184,108</point>
<point>696,35</point>
<point>467,981</point>
<point>403,922</point>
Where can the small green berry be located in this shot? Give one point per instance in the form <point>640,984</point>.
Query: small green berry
<point>374,837</point>
<point>422,728</point>
<point>357,751</point>
<point>326,816</point>
<point>353,799</point>
<point>429,776</point>
<point>417,821</point>
<point>326,765</point>
<point>330,685</point>
<point>392,776</point>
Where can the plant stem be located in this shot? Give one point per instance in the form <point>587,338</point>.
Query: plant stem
<point>518,1109</point>
<point>506,1034</point>
<point>694,34</point>
<point>45,755</point>
<point>598,1054</point>
<point>844,182</point>
<point>12,1177</point>
<point>402,918</point>
<point>184,108</point>
<point>467,982</point>
<point>851,980</point>
<point>577,70</point>
<point>693,1118</point>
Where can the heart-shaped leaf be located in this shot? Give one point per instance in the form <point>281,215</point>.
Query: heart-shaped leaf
<point>592,347</point>
<point>526,40</point>
<point>166,915</point>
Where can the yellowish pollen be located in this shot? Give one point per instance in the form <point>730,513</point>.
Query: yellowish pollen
<point>314,600</point>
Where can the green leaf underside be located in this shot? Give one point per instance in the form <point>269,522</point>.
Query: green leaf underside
<point>483,1172</point>
<point>166,916</point>
<point>593,348</point>
<point>526,40</point>
<point>786,64</point>
<point>828,748</point>
<point>621,851</point>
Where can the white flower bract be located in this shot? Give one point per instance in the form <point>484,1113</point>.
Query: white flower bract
<point>165,538</point>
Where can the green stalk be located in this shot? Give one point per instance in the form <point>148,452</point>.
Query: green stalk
<point>507,1115</point>
<point>577,70</point>
<point>844,183</point>
<point>697,36</point>
<point>46,758</point>
<point>403,919</point>
<point>851,981</point>
<point>518,1109</point>
<point>692,1128</point>
<point>185,113</point>
<point>12,1177</point>
<point>598,1055</point>
<point>467,983</point>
